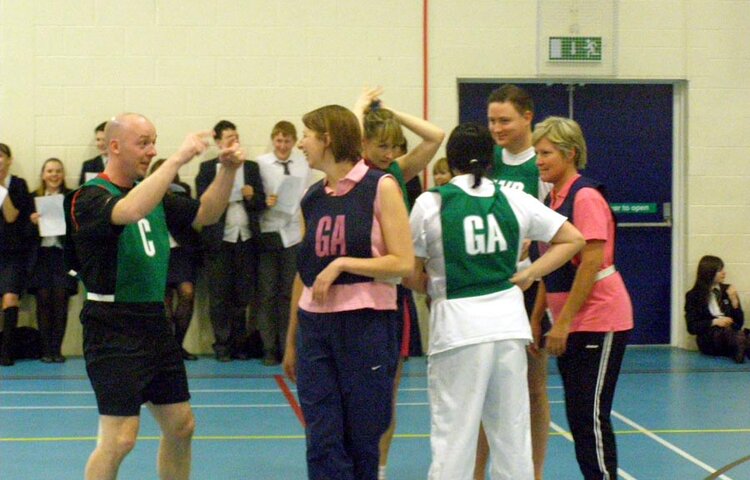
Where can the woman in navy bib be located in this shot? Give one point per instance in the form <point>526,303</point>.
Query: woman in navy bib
<point>341,343</point>
<point>590,307</point>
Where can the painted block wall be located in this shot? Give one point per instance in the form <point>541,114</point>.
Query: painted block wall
<point>66,65</point>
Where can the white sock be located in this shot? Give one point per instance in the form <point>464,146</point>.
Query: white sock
<point>381,472</point>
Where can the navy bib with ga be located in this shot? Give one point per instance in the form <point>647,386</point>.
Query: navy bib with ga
<point>561,280</point>
<point>337,226</point>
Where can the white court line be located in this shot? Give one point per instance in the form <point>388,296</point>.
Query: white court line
<point>93,407</point>
<point>620,472</point>
<point>91,392</point>
<point>667,444</point>
<point>415,389</point>
<point>192,390</point>
<point>194,406</point>
<point>30,392</point>
<point>195,390</point>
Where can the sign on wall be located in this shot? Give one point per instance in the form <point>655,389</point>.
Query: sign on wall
<point>575,49</point>
<point>576,38</point>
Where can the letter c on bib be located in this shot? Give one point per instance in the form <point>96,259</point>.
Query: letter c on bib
<point>148,246</point>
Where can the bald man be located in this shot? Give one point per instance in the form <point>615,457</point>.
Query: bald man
<point>117,224</point>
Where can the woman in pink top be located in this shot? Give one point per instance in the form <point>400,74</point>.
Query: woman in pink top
<point>341,343</point>
<point>591,309</point>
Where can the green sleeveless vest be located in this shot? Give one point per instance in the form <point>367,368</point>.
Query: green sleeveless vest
<point>395,170</point>
<point>480,242</point>
<point>142,255</point>
<point>521,177</point>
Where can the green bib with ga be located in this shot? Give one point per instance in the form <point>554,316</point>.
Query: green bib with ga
<point>142,255</point>
<point>521,177</point>
<point>480,242</point>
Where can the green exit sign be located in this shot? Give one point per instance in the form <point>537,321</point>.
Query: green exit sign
<point>633,207</point>
<point>575,49</point>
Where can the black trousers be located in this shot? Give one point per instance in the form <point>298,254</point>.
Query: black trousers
<point>589,370</point>
<point>277,270</point>
<point>232,275</point>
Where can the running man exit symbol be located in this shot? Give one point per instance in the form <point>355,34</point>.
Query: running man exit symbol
<point>575,49</point>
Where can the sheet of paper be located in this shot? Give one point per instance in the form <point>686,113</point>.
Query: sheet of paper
<point>3,194</point>
<point>289,193</point>
<point>239,182</point>
<point>51,215</point>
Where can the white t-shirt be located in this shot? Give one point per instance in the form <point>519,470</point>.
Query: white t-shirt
<point>486,318</point>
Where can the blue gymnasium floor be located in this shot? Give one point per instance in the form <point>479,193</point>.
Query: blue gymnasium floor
<point>678,415</point>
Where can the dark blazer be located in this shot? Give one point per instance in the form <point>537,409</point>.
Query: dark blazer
<point>212,235</point>
<point>18,237</point>
<point>94,165</point>
<point>187,237</point>
<point>698,316</point>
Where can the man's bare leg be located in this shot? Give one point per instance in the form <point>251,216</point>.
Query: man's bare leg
<point>116,439</point>
<point>177,425</point>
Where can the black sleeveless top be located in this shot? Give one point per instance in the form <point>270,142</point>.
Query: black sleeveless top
<point>561,280</point>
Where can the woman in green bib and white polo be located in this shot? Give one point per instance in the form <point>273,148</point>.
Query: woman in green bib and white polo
<point>467,239</point>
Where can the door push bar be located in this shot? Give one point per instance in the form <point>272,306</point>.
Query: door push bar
<point>667,223</point>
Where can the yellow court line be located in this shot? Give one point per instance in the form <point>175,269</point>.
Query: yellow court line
<point>398,435</point>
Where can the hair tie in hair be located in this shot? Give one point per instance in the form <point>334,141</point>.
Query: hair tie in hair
<point>375,105</point>
<point>473,160</point>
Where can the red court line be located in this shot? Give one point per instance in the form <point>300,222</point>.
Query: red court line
<point>290,398</point>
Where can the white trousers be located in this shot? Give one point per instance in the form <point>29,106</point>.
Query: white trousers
<point>486,382</point>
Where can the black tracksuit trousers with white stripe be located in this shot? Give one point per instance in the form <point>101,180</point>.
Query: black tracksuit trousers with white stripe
<point>589,370</point>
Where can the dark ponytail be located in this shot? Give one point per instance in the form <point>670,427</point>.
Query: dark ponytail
<point>469,150</point>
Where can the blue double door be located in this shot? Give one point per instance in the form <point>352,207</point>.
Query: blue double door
<point>628,130</point>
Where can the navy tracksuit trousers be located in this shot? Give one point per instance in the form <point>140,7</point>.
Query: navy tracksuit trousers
<point>346,363</point>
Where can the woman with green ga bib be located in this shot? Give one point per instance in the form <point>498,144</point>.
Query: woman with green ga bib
<point>467,238</point>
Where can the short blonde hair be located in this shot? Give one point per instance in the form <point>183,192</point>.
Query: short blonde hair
<point>441,166</point>
<point>381,125</point>
<point>565,134</point>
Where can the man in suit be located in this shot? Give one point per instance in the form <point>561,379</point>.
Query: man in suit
<point>96,164</point>
<point>232,248</point>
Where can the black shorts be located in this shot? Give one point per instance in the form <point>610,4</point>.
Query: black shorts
<point>131,359</point>
<point>529,297</point>
<point>405,315</point>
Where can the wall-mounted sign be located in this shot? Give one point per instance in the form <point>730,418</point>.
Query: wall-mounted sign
<point>575,49</point>
<point>633,207</point>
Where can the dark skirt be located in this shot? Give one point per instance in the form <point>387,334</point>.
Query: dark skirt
<point>49,272</point>
<point>14,272</point>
